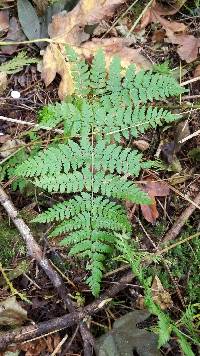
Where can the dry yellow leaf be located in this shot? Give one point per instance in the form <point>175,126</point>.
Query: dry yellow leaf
<point>68,28</point>
<point>54,62</point>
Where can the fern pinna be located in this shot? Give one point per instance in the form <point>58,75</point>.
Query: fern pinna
<point>93,165</point>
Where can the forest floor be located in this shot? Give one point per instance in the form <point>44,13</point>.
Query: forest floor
<point>167,33</point>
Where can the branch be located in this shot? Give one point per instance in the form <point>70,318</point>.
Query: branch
<point>33,331</point>
<point>180,222</point>
<point>35,252</point>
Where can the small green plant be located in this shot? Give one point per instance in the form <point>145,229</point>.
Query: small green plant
<point>93,167</point>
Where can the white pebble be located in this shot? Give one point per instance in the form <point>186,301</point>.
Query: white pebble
<point>15,94</point>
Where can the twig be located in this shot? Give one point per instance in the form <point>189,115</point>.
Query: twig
<point>58,347</point>
<point>21,122</point>
<point>176,228</point>
<point>35,252</point>
<point>194,134</point>
<point>189,81</point>
<point>139,18</point>
<point>34,331</point>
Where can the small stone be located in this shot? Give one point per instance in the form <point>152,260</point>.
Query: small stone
<point>142,145</point>
<point>15,94</point>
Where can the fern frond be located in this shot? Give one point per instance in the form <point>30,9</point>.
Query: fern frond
<point>98,73</point>
<point>71,156</point>
<point>104,108</point>
<point>17,63</point>
<point>105,184</point>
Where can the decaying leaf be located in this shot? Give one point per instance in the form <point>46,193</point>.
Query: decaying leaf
<point>69,28</point>
<point>40,346</point>
<point>3,82</point>
<point>170,149</point>
<point>11,312</point>
<point>4,21</point>
<point>155,13</point>
<point>154,189</point>
<point>9,147</point>
<point>197,71</point>
<point>160,296</point>
<point>115,47</point>
<point>54,62</point>
<point>167,8</point>
<point>41,6</point>
<point>189,45</point>
<point>142,145</point>
<point>14,34</point>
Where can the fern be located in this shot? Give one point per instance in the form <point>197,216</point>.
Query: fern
<point>93,166</point>
<point>17,63</point>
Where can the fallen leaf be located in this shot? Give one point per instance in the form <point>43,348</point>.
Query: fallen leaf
<point>11,312</point>
<point>155,13</point>
<point>189,45</point>
<point>39,346</point>
<point>3,138</point>
<point>168,8</point>
<point>69,28</point>
<point>158,36</point>
<point>197,71</point>
<point>28,19</point>
<point>41,6</point>
<point>4,21</point>
<point>142,145</point>
<point>160,296</point>
<point>150,212</point>
<point>3,82</point>
<point>14,34</point>
<point>115,47</point>
<point>154,189</point>
<point>170,149</point>
<point>9,147</point>
<point>54,62</point>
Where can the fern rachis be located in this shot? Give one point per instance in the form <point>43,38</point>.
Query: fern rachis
<point>97,173</point>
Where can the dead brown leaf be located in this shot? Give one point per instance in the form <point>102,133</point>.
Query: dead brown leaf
<point>4,21</point>
<point>160,296</point>
<point>156,11</point>
<point>54,62</point>
<point>197,71</point>
<point>189,45</point>
<point>69,28</point>
<point>41,6</point>
<point>14,34</point>
<point>115,47</point>
<point>154,16</point>
<point>11,312</point>
<point>168,8</point>
<point>142,145</point>
<point>154,189</point>
<point>39,346</point>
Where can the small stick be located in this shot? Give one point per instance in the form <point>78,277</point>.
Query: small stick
<point>35,252</point>
<point>180,222</point>
<point>194,134</point>
<point>189,81</point>
<point>21,122</point>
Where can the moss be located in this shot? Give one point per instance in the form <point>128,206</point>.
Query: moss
<point>11,244</point>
